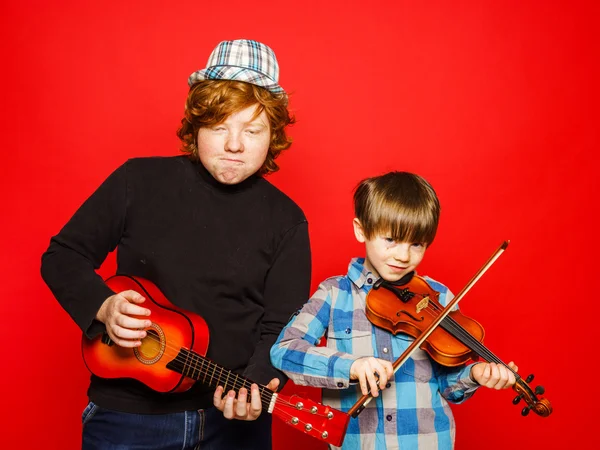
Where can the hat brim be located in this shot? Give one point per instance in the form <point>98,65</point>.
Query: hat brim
<point>236,74</point>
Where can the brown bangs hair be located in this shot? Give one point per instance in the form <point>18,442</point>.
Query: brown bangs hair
<point>399,205</point>
<point>210,102</point>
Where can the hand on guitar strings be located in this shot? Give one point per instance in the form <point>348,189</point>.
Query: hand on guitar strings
<point>239,408</point>
<point>118,313</point>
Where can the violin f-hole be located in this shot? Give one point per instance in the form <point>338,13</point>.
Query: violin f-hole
<point>416,319</point>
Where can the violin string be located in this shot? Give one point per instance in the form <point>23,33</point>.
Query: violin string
<point>466,338</point>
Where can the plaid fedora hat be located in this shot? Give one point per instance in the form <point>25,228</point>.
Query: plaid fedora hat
<point>241,60</point>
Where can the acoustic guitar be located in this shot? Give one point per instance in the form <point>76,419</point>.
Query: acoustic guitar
<point>172,357</point>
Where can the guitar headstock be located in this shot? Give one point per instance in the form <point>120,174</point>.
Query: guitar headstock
<point>315,419</point>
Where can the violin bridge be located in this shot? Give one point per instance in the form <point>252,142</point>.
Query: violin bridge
<point>423,304</point>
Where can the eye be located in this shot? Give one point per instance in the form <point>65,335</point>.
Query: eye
<point>389,240</point>
<point>218,128</point>
<point>252,131</point>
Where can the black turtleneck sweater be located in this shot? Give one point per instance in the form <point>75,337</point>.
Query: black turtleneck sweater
<point>237,255</point>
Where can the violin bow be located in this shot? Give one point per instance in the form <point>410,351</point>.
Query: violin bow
<point>365,399</point>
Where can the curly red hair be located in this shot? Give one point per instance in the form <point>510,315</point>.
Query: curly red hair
<point>210,102</point>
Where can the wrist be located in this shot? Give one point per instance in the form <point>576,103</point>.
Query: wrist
<point>471,375</point>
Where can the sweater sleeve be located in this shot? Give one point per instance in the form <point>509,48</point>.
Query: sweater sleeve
<point>70,262</point>
<point>287,286</point>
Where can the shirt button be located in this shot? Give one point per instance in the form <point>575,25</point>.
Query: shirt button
<point>369,280</point>
<point>348,330</point>
<point>385,350</point>
<point>340,384</point>
<point>389,417</point>
<point>387,385</point>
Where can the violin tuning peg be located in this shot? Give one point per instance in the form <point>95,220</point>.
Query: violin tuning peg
<point>525,411</point>
<point>539,390</point>
<point>529,379</point>
<point>517,399</point>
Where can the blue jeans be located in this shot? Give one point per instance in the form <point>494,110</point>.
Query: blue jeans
<point>206,429</point>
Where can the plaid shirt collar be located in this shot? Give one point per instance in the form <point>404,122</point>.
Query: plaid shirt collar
<point>359,274</point>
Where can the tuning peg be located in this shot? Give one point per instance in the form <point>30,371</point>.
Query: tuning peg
<point>525,411</point>
<point>517,399</point>
<point>529,379</point>
<point>539,390</point>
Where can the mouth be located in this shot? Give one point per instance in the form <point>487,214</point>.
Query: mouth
<point>396,268</point>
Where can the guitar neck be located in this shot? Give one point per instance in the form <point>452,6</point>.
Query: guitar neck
<point>205,371</point>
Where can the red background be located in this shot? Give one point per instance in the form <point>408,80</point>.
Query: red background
<point>495,103</point>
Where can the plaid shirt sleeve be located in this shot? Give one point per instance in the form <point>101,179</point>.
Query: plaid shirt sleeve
<point>298,355</point>
<point>456,384</point>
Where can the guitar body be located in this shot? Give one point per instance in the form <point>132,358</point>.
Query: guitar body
<point>172,329</point>
<point>172,358</point>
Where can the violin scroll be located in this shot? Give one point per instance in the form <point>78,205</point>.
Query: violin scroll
<point>540,406</point>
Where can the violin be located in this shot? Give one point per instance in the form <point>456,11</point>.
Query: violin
<point>412,307</point>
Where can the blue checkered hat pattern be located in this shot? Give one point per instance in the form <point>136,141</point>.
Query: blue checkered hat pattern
<point>242,60</point>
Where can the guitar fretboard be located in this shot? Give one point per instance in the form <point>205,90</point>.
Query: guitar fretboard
<point>203,370</point>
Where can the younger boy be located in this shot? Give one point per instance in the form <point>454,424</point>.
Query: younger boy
<point>397,216</point>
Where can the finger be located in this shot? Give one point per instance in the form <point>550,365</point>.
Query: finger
<point>362,380</point>
<point>127,343</point>
<point>130,309</point>
<point>126,333</point>
<point>218,398</point>
<point>382,378</point>
<point>229,404</point>
<point>255,403</point>
<point>510,378</point>
<point>372,383</point>
<point>488,373</point>
<point>502,377</point>
<point>132,296</point>
<point>131,322</point>
<point>241,404</point>
<point>389,369</point>
<point>273,384</point>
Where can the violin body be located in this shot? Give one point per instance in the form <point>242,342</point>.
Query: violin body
<point>412,308</point>
<point>388,311</point>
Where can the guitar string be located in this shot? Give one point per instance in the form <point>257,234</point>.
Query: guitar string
<point>200,361</point>
<point>266,397</point>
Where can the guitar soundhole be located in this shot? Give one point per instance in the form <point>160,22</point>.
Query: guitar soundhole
<point>153,345</point>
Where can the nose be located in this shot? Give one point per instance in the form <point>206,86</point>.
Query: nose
<point>234,143</point>
<point>402,252</point>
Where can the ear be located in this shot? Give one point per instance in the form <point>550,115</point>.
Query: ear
<point>358,230</point>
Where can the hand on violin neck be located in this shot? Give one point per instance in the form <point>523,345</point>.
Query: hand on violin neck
<point>493,375</point>
<point>372,374</point>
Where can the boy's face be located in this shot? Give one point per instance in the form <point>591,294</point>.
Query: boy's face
<point>237,148</point>
<point>387,258</point>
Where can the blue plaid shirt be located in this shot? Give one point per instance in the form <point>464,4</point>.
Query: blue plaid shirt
<point>413,412</point>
